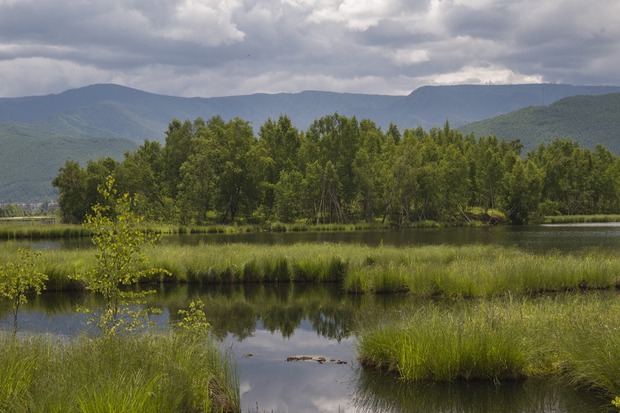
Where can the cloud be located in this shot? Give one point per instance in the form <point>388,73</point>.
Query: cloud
<point>483,75</point>
<point>213,48</point>
<point>205,23</point>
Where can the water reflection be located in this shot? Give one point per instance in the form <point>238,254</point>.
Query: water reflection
<point>262,325</point>
<point>563,237</point>
<point>533,238</point>
<point>376,393</point>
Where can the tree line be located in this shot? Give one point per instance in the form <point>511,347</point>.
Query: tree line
<point>343,170</point>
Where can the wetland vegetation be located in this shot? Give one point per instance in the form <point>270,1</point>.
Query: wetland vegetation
<point>480,312</point>
<point>164,372</point>
<point>488,312</point>
<point>433,271</point>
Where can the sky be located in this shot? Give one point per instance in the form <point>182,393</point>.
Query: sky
<point>212,48</point>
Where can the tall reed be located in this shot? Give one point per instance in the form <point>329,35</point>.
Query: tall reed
<point>573,336</point>
<point>446,271</point>
<point>439,345</point>
<point>577,219</point>
<point>37,230</point>
<point>139,373</point>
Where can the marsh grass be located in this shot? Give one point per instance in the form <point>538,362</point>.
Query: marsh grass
<point>437,271</point>
<point>39,230</point>
<point>574,337</point>
<point>139,373</point>
<point>16,378</point>
<point>579,219</point>
<point>441,345</point>
<point>589,352</point>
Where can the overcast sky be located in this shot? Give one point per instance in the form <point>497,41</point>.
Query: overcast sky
<point>217,48</point>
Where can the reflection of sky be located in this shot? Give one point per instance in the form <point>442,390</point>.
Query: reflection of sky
<point>568,237</point>
<point>268,381</point>
<point>69,324</point>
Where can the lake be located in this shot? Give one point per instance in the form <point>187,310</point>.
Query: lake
<point>261,326</point>
<point>562,237</point>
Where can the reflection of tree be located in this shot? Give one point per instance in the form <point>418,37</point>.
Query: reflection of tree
<point>377,393</point>
<point>235,309</point>
<point>332,319</point>
<point>282,317</point>
<point>63,302</point>
<point>237,317</point>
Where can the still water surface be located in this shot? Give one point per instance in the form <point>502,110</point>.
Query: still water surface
<point>568,237</point>
<point>262,326</point>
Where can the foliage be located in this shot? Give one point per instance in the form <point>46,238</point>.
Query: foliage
<point>194,320</point>
<point>107,120</point>
<point>343,170</point>
<point>120,260</point>
<point>17,280</point>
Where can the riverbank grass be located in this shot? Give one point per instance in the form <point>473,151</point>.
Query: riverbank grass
<point>441,345</point>
<point>581,219</point>
<point>572,337</point>
<point>425,271</point>
<point>132,373</point>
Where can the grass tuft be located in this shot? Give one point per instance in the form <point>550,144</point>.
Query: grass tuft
<point>139,373</point>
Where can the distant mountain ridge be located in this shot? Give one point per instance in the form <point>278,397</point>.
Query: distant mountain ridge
<point>87,116</point>
<point>589,120</point>
<point>107,110</point>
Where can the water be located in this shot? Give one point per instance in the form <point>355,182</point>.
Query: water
<point>569,237</point>
<point>262,326</point>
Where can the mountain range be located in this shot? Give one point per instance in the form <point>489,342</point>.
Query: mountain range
<point>39,133</point>
<point>589,120</point>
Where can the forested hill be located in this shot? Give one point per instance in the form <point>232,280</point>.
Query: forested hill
<point>39,133</point>
<point>121,112</point>
<point>589,120</point>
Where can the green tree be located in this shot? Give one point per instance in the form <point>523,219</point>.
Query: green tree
<point>522,192</point>
<point>17,280</point>
<point>288,196</point>
<point>238,167</point>
<point>71,185</point>
<point>281,142</point>
<point>141,175</point>
<point>96,174</point>
<point>455,184</point>
<point>402,184</point>
<point>176,151</point>
<point>367,170</point>
<point>197,189</point>
<point>338,138</point>
<point>489,170</point>
<point>606,181</point>
<point>568,179</point>
<point>117,234</point>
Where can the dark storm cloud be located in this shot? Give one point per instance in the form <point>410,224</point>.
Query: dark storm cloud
<point>210,47</point>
